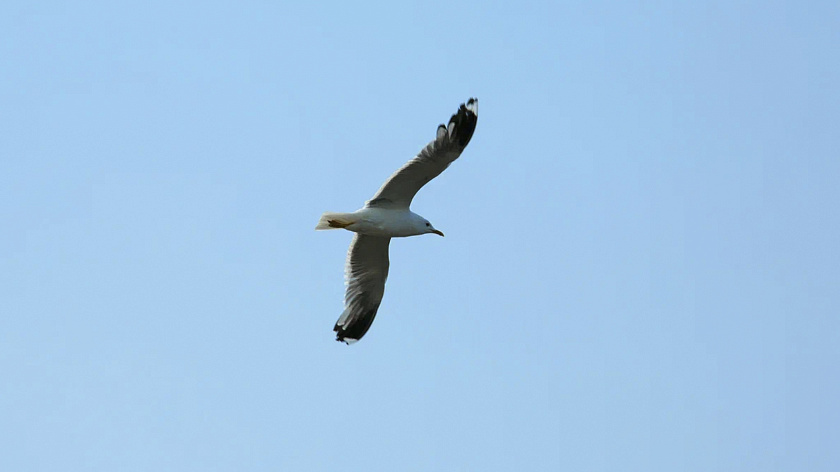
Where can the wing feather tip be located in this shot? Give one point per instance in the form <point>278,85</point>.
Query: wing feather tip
<point>441,132</point>
<point>351,330</point>
<point>463,122</point>
<point>472,105</point>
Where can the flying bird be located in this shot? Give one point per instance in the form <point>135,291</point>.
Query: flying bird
<point>387,215</point>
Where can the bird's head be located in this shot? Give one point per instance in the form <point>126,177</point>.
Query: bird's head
<point>428,228</point>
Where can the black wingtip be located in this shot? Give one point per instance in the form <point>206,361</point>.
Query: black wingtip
<point>356,329</point>
<point>465,120</point>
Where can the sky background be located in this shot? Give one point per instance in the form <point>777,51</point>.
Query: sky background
<point>640,271</point>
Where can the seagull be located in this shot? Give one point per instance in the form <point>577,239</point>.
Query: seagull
<point>387,215</point>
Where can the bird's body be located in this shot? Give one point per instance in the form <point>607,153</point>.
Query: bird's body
<point>387,215</point>
<point>390,222</point>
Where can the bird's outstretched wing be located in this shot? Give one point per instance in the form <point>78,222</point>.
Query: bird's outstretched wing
<point>365,273</point>
<point>450,141</point>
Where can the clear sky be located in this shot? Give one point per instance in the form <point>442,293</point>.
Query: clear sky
<point>640,270</point>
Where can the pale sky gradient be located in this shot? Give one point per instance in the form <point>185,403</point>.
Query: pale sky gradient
<point>640,271</point>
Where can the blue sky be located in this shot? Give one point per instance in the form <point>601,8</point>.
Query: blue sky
<point>640,271</point>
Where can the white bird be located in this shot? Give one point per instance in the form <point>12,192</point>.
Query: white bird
<point>387,215</point>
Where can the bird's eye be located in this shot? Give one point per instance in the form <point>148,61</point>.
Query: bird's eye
<point>427,224</point>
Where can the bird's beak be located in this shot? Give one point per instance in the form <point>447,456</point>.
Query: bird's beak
<point>437,232</point>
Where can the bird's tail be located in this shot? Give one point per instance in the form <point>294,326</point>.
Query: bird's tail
<point>330,220</point>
